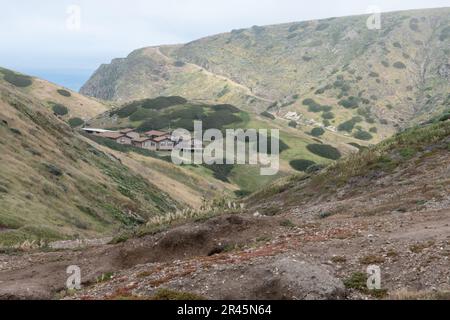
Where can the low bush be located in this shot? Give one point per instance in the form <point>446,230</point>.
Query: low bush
<point>75,122</point>
<point>350,103</point>
<point>60,110</point>
<point>349,125</point>
<point>18,80</point>
<point>64,93</point>
<point>363,135</point>
<point>328,115</point>
<point>268,115</point>
<point>317,132</point>
<point>301,164</point>
<point>399,65</point>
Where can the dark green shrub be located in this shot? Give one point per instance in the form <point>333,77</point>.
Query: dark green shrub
<point>373,74</point>
<point>64,93</point>
<point>349,125</point>
<point>60,110</point>
<point>317,132</point>
<point>17,80</point>
<point>350,103</point>
<point>301,164</point>
<point>54,170</point>
<point>219,119</point>
<point>397,44</point>
<point>363,135</point>
<point>324,151</point>
<point>385,63</point>
<point>373,130</point>
<point>15,131</point>
<point>226,107</point>
<point>328,115</point>
<point>293,124</point>
<point>399,65</point>
<point>268,115</point>
<point>75,122</point>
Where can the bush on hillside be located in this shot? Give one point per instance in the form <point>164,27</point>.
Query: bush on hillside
<point>227,107</point>
<point>363,135</point>
<point>324,151</point>
<point>301,164</point>
<point>75,122</point>
<point>328,115</point>
<point>125,111</point>
<point>268,115</point>
<point>64,93</point>
<point>399,65</point>
<point>219,119</point>
<point>60,110</point>
<point>317,132</point>
<point>350,103</point>
<point>292,124</point>
<point>349,125</point>
<point>17,80</point>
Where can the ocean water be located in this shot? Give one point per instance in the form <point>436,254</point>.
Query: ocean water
<point>69,78</point>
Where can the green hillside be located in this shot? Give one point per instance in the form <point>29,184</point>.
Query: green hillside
<point>54,184</point>
<point>337,72</point>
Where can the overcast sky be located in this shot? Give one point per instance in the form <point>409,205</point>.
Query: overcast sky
<point>43,37</point>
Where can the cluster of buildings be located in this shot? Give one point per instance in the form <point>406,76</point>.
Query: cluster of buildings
<point>294,116</point>
<point>151,140</point>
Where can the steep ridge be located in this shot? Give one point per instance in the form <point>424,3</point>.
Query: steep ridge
<point>68,105</point>
<point>334,71</point>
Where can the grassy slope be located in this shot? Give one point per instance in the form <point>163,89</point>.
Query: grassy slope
<point>402,153</point>
<point>78,105</point>
<point>247,178</point>
<point>56,185</point>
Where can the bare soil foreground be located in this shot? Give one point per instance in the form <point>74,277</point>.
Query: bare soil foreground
<point>311,237</point>
<point>248,257</point>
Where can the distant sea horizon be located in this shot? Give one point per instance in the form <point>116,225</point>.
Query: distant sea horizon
<point>72,79</point>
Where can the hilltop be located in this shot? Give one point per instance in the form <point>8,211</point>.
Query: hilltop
<point>337,72</point>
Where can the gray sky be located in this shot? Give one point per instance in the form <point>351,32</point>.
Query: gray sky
<point>35,36</point>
